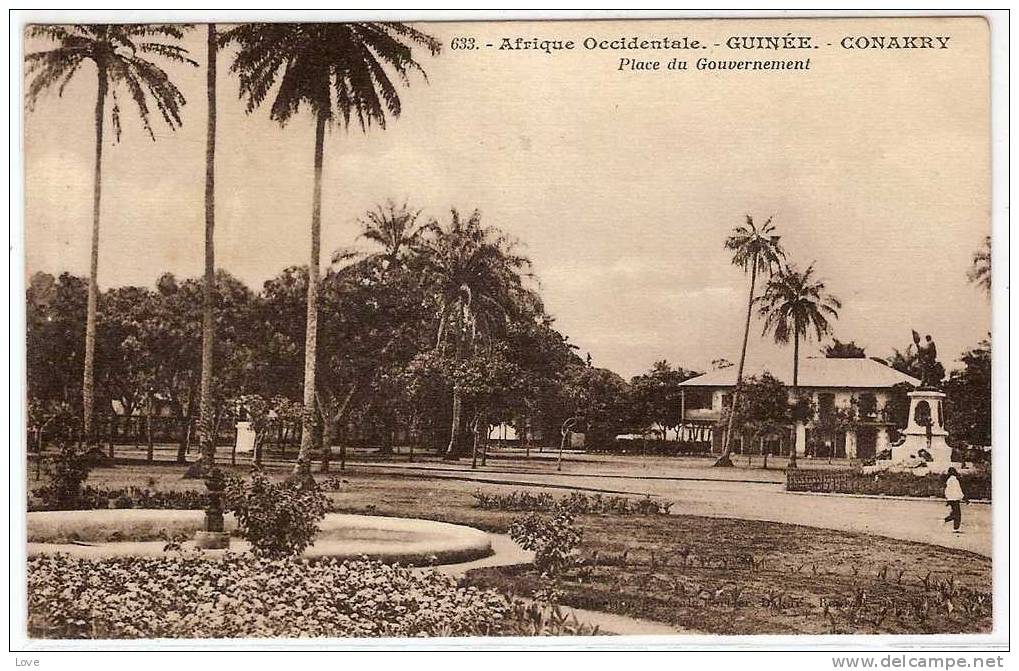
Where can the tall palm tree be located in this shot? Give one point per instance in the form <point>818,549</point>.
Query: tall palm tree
<point>477,279</point>
<point>980,273</point>
<point>395,230</point>
<point>206,430</point>
<point>341,72</point>
<point>794,305</point>
<point>756,250</point>
<point>121,56</point>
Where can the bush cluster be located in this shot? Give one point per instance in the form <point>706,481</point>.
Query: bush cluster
<point>179,596</point>
<point>93,498</point>
<point>578,503</point>
<point>66,472</point>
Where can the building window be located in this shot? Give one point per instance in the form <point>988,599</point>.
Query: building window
<point>868,405</point>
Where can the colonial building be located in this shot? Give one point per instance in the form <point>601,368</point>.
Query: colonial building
<point>862,384</point>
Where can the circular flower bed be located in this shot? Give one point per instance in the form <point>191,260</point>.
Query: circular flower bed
<point>113,533</point>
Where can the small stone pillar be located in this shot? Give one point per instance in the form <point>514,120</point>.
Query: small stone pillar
<point>801,439</point>
<point>213,537</point>
<point>882,443</point>
<point>851,444</point>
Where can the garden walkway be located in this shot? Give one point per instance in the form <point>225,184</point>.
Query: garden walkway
<point>902,519</point>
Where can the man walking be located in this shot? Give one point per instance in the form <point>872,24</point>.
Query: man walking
<point>954,497</point>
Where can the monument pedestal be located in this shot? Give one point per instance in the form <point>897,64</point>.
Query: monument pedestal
<point>924,438</point>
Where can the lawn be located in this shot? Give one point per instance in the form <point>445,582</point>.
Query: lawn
<point>704,574</point>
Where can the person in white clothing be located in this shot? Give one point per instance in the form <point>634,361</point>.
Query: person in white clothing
<point>954,497</point>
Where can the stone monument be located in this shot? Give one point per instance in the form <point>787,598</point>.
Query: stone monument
<point>923,441</point>
<point>924,438</point>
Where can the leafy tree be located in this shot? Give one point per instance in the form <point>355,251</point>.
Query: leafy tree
<point>762,410</point>
<point>980,273</point>
<point>339,71</point>
<point>756,250</point>
<point>476,279</point>
<point>599,399</point>
<point>120,54</point>
<point>843,350</point>
<point>172,337</point>
<point>832,421</point>
<point>656,396</point>
<point>968,411</point>
<point>55,313</point>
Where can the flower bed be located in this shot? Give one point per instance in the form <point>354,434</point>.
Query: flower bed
<point>182,596</point>
<point>976,485</point>
<point>578,503</point>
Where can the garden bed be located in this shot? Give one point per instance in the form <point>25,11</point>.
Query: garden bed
<point>747,577</point>
<point>977,485</point>
<point>181,596</point>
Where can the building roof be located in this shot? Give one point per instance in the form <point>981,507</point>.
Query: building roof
<point>817,372</point>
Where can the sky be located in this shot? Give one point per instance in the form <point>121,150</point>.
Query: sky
<point>621,186</point>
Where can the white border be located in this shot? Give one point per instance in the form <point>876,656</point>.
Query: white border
<point>883,644</point>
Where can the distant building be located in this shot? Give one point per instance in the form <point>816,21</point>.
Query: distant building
<point>829,383</point>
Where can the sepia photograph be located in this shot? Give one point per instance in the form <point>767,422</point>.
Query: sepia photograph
<point>351,328</point>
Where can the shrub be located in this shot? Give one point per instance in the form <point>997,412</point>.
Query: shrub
<point>66,472</point>
<point>239,596</point>
<point>553,539</point>
<point>278,519</point>
<point>579,503</point>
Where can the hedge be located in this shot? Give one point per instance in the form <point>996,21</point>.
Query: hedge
<point>975,485</point>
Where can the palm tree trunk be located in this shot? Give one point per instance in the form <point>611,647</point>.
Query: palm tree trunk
<point>302,469</point>
<point>452,450</point>
<point>725,459</point>
<point>206,439</point>
<point>150,448</point>
<point>88,380</point>
<point>474,452</point>
<point>796,380</point>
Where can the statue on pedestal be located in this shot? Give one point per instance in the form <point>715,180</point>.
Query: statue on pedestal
<point>931,370</point>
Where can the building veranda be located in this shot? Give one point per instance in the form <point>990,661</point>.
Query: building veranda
<point>852,409</point>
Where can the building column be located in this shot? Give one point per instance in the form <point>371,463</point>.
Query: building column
<point>851,444</point>
<point>801,439</point>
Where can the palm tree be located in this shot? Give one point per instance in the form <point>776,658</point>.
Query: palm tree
<point>477,279</point>
<point>394,228</point>
<point>980,273</point>
<point>120,54</point>
<point>793,305</point>
<point>341,72</point>
<point>206,430</point>
<point>755,250</point>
